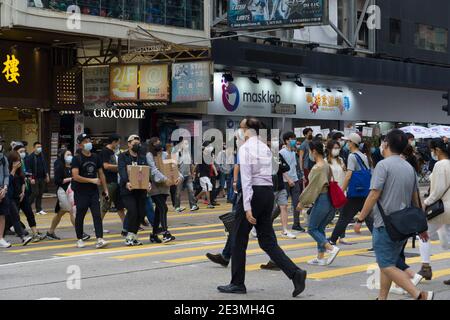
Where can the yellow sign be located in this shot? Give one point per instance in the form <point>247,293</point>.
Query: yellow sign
<point>123,82</point>
<point>11,69</point>
<point>154,82</point>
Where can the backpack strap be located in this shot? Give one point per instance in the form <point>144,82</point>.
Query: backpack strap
<point>360,161</point>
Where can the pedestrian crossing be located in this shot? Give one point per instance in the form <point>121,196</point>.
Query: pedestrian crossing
<point>195,239</point>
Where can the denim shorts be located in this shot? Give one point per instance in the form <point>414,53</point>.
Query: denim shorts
<point>387,251</point>
<point>281,197</point>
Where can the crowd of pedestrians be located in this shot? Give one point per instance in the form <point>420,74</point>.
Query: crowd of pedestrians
<point>378,182</point>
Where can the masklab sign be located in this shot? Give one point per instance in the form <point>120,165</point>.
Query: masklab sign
<point>119,113</point>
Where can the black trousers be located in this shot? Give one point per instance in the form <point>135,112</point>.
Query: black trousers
<point>83,202</point>
<point>14,217</point>
<point>135,205</point>
<point>160,212</point>
<point>25,206</point>
<point>347,214</point>
<point>262,205</point>
<point>37,190</point>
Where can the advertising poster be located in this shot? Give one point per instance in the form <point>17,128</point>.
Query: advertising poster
<point>154,82</point>
<point>272,13</point>
<point>191,81</point>
<point>123,82</point>
<point>95,87</point>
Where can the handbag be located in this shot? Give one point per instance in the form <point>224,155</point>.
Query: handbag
<point>337,196</point>
<point>403,224</point>
<point>359,186</point>
<point>435,209</point>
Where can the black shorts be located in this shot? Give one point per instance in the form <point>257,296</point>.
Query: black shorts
<point>4,207</point>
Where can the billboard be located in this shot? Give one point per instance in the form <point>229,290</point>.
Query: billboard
<point>154,82</point>
<point>191,81</point>
<point>123,82</point>
<point>95,87</point>
<point>245,14</point>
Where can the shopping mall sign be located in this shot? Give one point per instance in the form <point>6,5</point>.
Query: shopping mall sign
<point>11,70</point>
<point>276,13</point>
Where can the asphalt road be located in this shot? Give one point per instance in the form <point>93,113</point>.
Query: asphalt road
<point>180,270</point>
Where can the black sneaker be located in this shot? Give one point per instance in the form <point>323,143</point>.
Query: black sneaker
<point>218,258</point>
<point>299,282</point>
<point>26,240</point>
<point>371,250</point>
<point>124,233</point>
<point>215,203</point>
<point>86,237</point>
<point>298,227</point>
<point>52,236</point>
<point>167,237</point>
<point>155,239</point>
<point>331,242</point>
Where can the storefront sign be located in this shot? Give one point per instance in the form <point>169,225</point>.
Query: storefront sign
<point>191,81</point>
<point>78,128</point>
<point>154,82</point>
<point>96,87</point>
<point>123,82</point>
<point>367,132</point>
<point>119,113</point>
<point>284,109</point>
<point>11,69</point>
<point>274,13</point>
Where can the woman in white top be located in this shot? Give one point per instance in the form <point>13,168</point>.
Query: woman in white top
<point>336,162</point>
<point>439,190</point>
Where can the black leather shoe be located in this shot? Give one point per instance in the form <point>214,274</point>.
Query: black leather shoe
<point>232,288</point>
<point>270,266</point>
<point>298,227</point>
<point>218,258</point>
<point>447,282</point>
<point>299,282</point>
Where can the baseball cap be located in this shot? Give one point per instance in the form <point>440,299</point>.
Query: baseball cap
<point>82,137</point>
<point>16,144</point>
<point>354,137</point>
<point>133,137</point>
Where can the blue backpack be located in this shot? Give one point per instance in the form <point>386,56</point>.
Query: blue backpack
<point>359,186</point>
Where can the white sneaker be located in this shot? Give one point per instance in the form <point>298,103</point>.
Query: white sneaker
<point>80,244</point>
<point>253,233</point>
<point>416,280</point>
<point>42,212</point>
<point>101,243</point>
<point>430,295</point>
<point>332,254</point>
<point>26,240</point>
<point>397,290</point>
<point>106,231</point>
<point>4,243</point>
<point>317,262</point>
<point>287,234</point>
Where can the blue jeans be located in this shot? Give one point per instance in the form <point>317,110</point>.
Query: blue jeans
<point>230,191</point>
<point>321,215</point>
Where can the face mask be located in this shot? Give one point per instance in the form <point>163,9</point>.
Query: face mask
<point>372,150</point>
<point>136,147</point>
<point>241,134</point>
<point>87,146</point>
<point>38,150</point>
<point>22,155</point>
<point>1,148</point>
<point>311,158</point>
<point>346,148</point>
<point>335,152</point>
<point>382,149</point>
<point>68,159</point>
<point>293,143</point>
<point>413,143</point>
<point>433,156</point>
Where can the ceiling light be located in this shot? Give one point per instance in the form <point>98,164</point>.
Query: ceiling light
<point>29,38</point>
<point>360,92</point>
<point>360,124</point>
<point>254,79</point>
<point>228,77</point>
<point>277,81</point>
<point>340,90</point>
<point>372,122</point>
<point>56,40</point>
<point>328,89</point>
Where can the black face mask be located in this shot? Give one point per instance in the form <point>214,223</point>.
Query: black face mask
<point>157,147</point>
<point>136,147</point>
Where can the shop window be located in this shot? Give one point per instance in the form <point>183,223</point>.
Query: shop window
<point>395,31</point>
<point>431,38</point>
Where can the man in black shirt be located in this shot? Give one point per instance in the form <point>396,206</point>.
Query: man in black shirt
<point>37,167</point>
<point>87,175</point>
<point>109,159</point>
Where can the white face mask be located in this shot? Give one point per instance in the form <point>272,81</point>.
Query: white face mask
<point>311,157</point>
<point>413,143</point>
<point>434,156</point>
<point>241,134</point>
<point>335,152</point>
<point>22,155</point>
<point>382,149</point>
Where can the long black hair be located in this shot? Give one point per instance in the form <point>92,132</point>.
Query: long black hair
<point>151,146</point>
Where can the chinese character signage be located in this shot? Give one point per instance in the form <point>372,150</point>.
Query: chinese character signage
<point>274,13</point>
<point>123,82</point>
<point>154,82</point>
<point>95,87</point>
<point>11,69</point>
<point>320,101</point>
<point>191,81</point>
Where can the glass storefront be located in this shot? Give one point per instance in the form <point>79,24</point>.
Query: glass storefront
<point>178,13</point>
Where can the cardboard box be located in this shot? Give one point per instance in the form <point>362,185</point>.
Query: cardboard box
<point>139,176</point>
<point>169,168</point>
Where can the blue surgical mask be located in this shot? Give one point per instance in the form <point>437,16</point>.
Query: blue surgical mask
<point>68,159</point>
<point>372,150</point>
<point>346,148</point>
<point>88,146</point>
<point>293,143</point>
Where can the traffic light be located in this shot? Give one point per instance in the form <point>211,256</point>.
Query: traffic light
<point>446,107</point>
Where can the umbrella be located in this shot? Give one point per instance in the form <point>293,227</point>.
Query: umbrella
<point>441,131</point>
<point>419,132</point>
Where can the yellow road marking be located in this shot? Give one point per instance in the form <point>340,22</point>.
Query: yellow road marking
<point>440,273</point>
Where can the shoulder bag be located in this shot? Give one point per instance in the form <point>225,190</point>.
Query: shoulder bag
<point>436,209</point>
